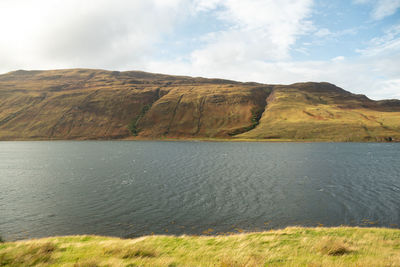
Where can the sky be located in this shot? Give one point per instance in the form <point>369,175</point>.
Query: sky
<point>354,44</point>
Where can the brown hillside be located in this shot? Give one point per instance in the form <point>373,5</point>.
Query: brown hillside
<point>98,104</point>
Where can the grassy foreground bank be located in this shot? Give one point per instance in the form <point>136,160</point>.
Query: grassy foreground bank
<point>293,246</point>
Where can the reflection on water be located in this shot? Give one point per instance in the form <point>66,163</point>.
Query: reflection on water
<point>129,189</point>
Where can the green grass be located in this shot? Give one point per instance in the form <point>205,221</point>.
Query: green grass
<point>133,125</point>
<point>256,114</point>
<point>299,115</point>
<point>293,246</point>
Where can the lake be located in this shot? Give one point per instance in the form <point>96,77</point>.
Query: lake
<point>135,188</point>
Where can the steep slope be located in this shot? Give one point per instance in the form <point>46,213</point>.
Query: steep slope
<point>311,111</point>
<point>98,104</point>
<point>68,104</point>
<point>206,110</point>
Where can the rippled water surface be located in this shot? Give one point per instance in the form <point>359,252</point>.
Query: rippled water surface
<point>129,189</point>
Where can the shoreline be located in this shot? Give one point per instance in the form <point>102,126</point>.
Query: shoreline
<point>221,140</point>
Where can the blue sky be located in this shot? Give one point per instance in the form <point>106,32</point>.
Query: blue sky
<point>354,44</point>
<point>343,28</point>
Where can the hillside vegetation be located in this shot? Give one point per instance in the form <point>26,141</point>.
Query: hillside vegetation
<point>98,104</point>
<point>294,246</point>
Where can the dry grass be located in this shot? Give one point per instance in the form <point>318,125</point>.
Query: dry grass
<point>333,247</point>
<point>87,263</point>
<point>298,114</point>
<point>28,254</point>
<point>97,104</point>
<point>130,252</point>
<point>294,246</point>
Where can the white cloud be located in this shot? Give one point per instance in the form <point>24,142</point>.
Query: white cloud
<point>205,5</point>
<point>338,58</point>
<point>385,8</point>
<point>260,29</point>
<point>391,89</point>
<point>323,32</point>
<point>388,43</point>
<point>260,32</point>
<point>74,33</point>
<point>381,8</point>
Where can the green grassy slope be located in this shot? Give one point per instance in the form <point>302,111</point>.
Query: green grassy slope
<point>324,112</point>
<point>98,104</point>
<point>294,246</point>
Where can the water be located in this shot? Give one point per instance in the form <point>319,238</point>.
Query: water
<point>129,189</point>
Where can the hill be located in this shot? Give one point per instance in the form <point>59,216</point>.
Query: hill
<point>293,246</point>
<point>99,104</point>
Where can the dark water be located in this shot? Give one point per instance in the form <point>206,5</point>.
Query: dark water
<point>130,189</point>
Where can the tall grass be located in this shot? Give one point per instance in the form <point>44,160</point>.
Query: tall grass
<point>294,246</point>
<point>30,254</point>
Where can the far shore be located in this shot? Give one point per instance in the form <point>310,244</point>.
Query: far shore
<point>185,139</point>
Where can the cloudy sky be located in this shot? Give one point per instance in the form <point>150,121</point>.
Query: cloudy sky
<point>354,44</point>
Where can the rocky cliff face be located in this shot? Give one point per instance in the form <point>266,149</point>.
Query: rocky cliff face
<point>98,104</point>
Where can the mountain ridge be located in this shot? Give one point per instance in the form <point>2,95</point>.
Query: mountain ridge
<point>100,104</point>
